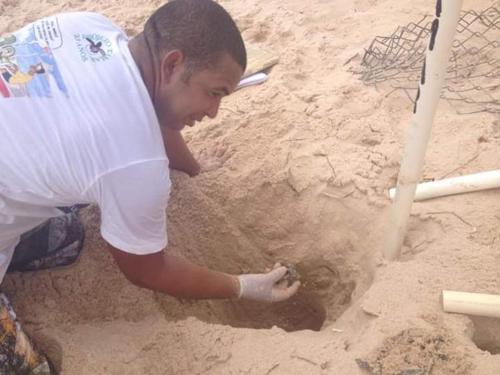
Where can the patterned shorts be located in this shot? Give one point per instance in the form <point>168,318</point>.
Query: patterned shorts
<point>18,355</point>
<point>55,243</point>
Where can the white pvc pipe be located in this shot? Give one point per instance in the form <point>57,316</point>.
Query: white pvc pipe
<point>431,82</point>
<point>455,185</point>
<point>471,303</point>
<point>254,79</point>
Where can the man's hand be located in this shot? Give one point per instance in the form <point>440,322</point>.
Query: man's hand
<point>267,287</point>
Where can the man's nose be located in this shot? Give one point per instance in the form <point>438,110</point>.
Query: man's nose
<point>214,108</point>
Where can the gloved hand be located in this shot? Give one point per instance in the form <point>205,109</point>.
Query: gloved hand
<point>267,287</point>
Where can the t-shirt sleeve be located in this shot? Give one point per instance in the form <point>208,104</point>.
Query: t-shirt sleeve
<point>133,202</point>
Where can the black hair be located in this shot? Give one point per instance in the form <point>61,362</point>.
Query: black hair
<point>202,29</point>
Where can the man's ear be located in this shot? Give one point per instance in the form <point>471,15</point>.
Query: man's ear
<point>171,65</point>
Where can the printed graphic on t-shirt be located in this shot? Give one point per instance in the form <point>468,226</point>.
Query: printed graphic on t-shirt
<point>27,65</point>
<point>94,47</point>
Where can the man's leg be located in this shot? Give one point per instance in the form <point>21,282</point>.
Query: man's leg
<point>55,243</point>
<point>18,354</point>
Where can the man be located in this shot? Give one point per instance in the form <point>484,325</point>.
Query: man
<point>102,126</point>
<point>15,77</point>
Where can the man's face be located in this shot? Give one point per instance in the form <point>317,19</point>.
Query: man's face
<point>185,100</point>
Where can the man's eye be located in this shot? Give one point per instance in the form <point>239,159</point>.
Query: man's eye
<point>216,94</point>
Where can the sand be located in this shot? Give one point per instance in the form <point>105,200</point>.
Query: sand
<point>296,169</point>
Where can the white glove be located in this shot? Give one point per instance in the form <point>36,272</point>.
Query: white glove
<point>267,287</point>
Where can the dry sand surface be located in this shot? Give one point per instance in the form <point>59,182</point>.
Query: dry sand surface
<point>296,169</point>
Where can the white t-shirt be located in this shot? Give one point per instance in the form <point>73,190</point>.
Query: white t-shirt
<point>77,126</point>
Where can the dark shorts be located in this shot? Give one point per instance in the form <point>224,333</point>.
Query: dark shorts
<point>55,243</point>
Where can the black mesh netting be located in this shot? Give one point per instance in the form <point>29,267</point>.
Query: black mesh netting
<point>472,83</point>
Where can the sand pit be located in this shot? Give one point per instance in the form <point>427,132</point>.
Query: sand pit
<point>295,170</point>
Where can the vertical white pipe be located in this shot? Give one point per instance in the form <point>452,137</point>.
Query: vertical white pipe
<point>431,82</point>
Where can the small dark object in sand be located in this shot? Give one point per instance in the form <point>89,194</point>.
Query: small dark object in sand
<point>291,274</point>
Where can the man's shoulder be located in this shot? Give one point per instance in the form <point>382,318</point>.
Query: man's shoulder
<point>142,185</point>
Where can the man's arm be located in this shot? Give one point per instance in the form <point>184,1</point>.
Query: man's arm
<point>175,276</point>
<point>181,278</point>
<point>178,153</point>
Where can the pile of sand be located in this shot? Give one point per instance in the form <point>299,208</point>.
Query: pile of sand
<point>296,169</point>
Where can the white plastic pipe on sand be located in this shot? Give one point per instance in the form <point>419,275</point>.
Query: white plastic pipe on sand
<point>254,79</point>
<point>431,82</point>
<point>455,185</point>
<point>471,303</point>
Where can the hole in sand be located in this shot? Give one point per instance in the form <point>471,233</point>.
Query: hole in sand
<point>321,283</point>
<point>320,237</point>
<point>323,295</point>
<point>487,334</point>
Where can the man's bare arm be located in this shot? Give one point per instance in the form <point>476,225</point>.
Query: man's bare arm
<point>178,153</point>
<point>175,276</point>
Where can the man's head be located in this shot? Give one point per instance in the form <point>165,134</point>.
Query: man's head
<point>198,58</point>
